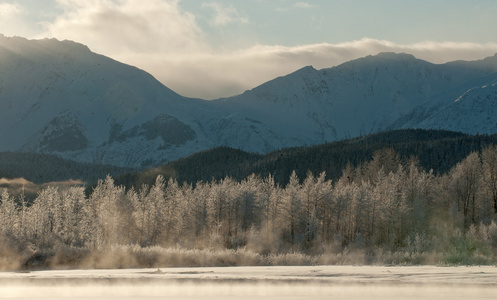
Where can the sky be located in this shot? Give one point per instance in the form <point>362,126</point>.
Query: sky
<point>219,48</point>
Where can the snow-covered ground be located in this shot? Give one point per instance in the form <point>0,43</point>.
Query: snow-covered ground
<point>316,282</point>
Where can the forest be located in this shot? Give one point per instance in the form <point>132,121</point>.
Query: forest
<point>437,150</point>
<point>387,210</point>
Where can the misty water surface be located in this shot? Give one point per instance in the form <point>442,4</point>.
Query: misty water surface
<point>317,282</point>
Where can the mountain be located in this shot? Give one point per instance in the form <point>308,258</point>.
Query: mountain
<point>58,97</point>
<point>360,97</point>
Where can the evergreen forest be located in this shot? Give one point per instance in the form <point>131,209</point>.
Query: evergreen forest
<point>436,150</point>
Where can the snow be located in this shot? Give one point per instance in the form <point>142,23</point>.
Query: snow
<point>314,282</point>
<point>459,115</point>
<point>469,108</point>
<point>359,97</point>
<point>42,81</point>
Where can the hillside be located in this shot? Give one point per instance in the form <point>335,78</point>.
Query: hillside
<point>434,149</point>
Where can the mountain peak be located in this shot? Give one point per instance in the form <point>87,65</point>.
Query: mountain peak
<point>52,47</point>
<point>393,55</point>
<point>59,97</point>
<point>305,71</point>
<point>491,59</point>
<point>383,58</point>
<point>307,68</point>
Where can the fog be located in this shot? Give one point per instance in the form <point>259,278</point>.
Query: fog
<point>316,282</point>
<point>22,187</point>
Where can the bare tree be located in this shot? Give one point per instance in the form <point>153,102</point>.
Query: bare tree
<point>489,159</point>
<point>465,177</point>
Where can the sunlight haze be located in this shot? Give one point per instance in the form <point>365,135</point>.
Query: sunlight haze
<point>212,49</point>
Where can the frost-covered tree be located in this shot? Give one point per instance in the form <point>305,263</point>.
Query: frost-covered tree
<point>465,177</point>
<point>71,216</point>
<point>141,214</point>
<point>316,193</point>
<point>104,214</point>
<point>387,203</point>
<point>198,205</point>
<point>9,215</point>
<point>219,210</point>
<point>293,217</point>
<point>171,214</point>
<point>45,218</point>
<point>157,225</point>
<point>342,219</point>
<point>268,203</point>
<point>489,160</point>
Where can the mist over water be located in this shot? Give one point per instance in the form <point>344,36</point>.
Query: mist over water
<point>317,282</point>
<point>225,290</point>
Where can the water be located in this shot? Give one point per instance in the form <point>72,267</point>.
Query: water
<point>317,282</point>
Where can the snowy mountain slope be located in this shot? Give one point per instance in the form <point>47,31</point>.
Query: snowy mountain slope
<point>359,97</point>
<point>58,97</point>
<point>471,108</point>
<point>473,112</point>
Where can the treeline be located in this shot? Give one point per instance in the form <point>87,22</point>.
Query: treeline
<point>386,210</point>
<point>436,150</point>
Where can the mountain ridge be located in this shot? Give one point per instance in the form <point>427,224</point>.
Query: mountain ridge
<point>60,98</point>
<point>353,91</point>
<point>99,93</point>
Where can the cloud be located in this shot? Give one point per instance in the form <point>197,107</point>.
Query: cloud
<point>296,5</point>
<point>127,26</point>
<point>8,10</point>
<point>161,38</point>
<point>212,75</point>
<point>224,15</point>
<point>14,20</point>
<point>303,5</point>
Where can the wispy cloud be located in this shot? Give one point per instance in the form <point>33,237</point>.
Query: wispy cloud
<point>296,5</point>
<point>163,39</point>
<point>224,15</point>
<point>136,26</point>
<point>8,10</point>
<point>208,75</point>
<point>304,5</point>
<point>14,19</point>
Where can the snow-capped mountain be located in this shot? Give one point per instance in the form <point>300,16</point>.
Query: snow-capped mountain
<point>359,97</point>
<point>59,97</point>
